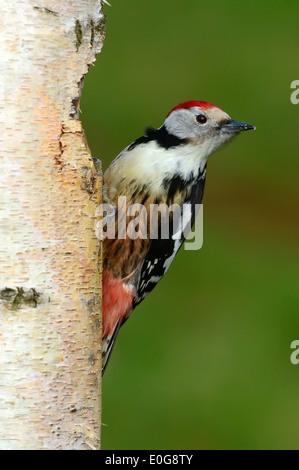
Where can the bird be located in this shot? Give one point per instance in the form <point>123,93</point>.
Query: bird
<point>165,166</point>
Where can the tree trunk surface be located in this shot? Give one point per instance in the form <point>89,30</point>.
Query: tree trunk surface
<point>50,261</point>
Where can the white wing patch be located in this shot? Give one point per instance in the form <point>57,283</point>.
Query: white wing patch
<point>169,260</point>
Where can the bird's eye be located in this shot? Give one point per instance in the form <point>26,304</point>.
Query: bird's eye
<point>201,119</point>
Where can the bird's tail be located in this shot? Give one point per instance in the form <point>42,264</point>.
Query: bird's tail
<point>107,346</point>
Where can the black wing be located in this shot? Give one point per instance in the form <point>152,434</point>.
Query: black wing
<point>162,251</point>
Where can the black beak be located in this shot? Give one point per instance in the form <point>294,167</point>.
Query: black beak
<point>235,126</point>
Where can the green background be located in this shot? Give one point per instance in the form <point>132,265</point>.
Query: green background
<point>204,361</point>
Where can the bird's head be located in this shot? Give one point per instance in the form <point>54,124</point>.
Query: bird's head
<point>201,123</point>
<point>176,151</point>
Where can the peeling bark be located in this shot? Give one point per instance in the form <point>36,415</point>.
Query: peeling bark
<point>50,264</point>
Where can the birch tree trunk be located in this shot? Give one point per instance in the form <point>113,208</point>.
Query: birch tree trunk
<point>50,287</point>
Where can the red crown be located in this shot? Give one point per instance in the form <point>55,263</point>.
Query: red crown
<point>191,104</point>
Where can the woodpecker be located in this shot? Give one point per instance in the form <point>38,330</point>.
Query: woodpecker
<point>165,166</point>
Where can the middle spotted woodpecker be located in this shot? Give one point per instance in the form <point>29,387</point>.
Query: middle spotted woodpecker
<point>165,166</point>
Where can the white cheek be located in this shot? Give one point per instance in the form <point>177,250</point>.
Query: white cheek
<point>215,143</point>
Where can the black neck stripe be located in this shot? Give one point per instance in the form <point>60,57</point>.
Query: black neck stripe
<point>161,136</point>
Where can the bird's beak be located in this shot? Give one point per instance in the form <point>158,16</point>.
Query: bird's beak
<point>235,126</point>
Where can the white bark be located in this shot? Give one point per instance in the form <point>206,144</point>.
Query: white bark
<point>50,325</point>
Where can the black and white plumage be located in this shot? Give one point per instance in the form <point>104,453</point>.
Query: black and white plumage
<point>166,166</point>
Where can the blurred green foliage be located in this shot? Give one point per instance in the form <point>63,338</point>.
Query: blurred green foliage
<point>204,362</point>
